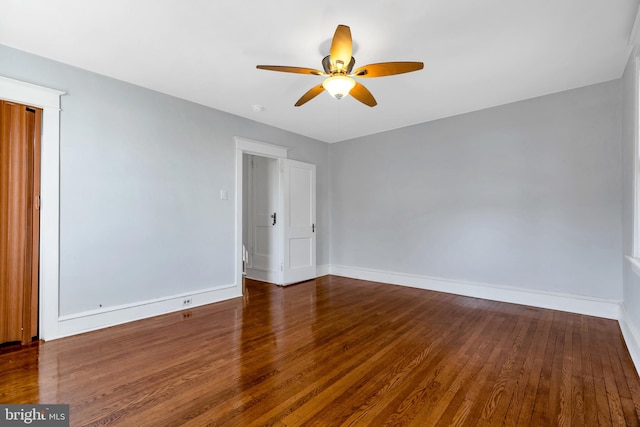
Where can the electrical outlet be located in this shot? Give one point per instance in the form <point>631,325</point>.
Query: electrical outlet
<point>186,302</point>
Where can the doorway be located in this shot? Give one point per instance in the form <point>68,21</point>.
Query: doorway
<point>294,218</point>
<point>20,135</point>
<point>261,218</point>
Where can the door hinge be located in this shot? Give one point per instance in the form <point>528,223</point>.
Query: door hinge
<point>38,203</point>
<point>313,228</point>
<point>281,267</point>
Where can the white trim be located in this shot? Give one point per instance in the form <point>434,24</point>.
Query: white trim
<point>263,275</point>
<point>271,277</point>
<point>111,316</point>
<point>636,160</point>
<point>634,37</point>
<point>635,264</point>
<point>30,94</point>
<point>258,148</point>
<point>609,309</point>
<point>631,337</point>
<point>49,100</point>
<point>323,270</point>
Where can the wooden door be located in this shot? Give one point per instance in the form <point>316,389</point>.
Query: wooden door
<point>20,128</point>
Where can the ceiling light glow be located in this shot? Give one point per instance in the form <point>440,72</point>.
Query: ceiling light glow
<point>338,86</point>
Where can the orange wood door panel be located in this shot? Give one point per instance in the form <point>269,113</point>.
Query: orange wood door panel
<point>19,218</point>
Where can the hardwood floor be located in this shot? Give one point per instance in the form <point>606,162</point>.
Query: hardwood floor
<point>337,351</point>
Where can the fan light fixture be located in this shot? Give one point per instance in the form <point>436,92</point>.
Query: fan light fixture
<point>338,86</point>
<point>338,70</point>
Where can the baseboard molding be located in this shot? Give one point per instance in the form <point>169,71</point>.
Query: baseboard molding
<point>111,316</point>
<point>322,270</point>
<point>631,337</point>
<point>608,309</point>
<point>262,275</point>
<point>272,276</point>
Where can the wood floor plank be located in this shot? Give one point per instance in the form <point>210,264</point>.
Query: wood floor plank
<point>463,370</point>
<point>565,400</point>
<point>360,360</point>
<point>588,378</point>
<point>523,398</point>
<point>397,393</point>
<point>509,381</point>
<point>612,391</point>
<point>489,386</point>
<point>628,371</point>
<point>577,391</point>
<point>337,351</point>
<point>543,405</point>
<point>367,370</point>
<point>424,393</point>
<point>469,400</point>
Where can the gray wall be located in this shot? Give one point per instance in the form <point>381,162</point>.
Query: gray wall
<point>140,179</point>
<point>631,280</point>
<point>525,195</point>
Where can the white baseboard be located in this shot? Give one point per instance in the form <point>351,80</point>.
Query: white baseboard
<point>111,316</point>
<point>103,318</point>
<point>322,270</point>
<point>262,275</point>
<point>631,337</point>
<point>608,309</point>
<point>272,276</point>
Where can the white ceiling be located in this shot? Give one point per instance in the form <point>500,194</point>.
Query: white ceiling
<point>477,54</point>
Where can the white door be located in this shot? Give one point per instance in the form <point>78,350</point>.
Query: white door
<point>298,184</point>
<point>263,220</point>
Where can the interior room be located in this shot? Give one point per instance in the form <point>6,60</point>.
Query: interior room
<point>194,237</point>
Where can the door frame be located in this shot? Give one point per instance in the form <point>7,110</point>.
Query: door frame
<point>49,101</point>
<point>256,148</point>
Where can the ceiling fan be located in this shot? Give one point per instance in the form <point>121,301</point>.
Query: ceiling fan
<point>338,68</point>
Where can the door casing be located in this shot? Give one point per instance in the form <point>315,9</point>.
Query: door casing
<point>49,101</point>
<point>258,148</point>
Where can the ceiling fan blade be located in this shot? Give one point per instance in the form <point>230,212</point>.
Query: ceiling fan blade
<point>285,69</point>
<point>387,69</point>
<point>311,93</point>
<point>363,95</point>
<point>341,46</point>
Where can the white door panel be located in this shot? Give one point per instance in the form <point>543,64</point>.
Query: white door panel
<point>298,183</point>
<point>264,248</point>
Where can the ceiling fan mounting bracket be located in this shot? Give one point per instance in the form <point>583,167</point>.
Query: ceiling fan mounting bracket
<point>333,70</point>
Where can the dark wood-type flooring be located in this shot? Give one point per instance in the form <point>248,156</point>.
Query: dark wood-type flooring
<point>337,351</point>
